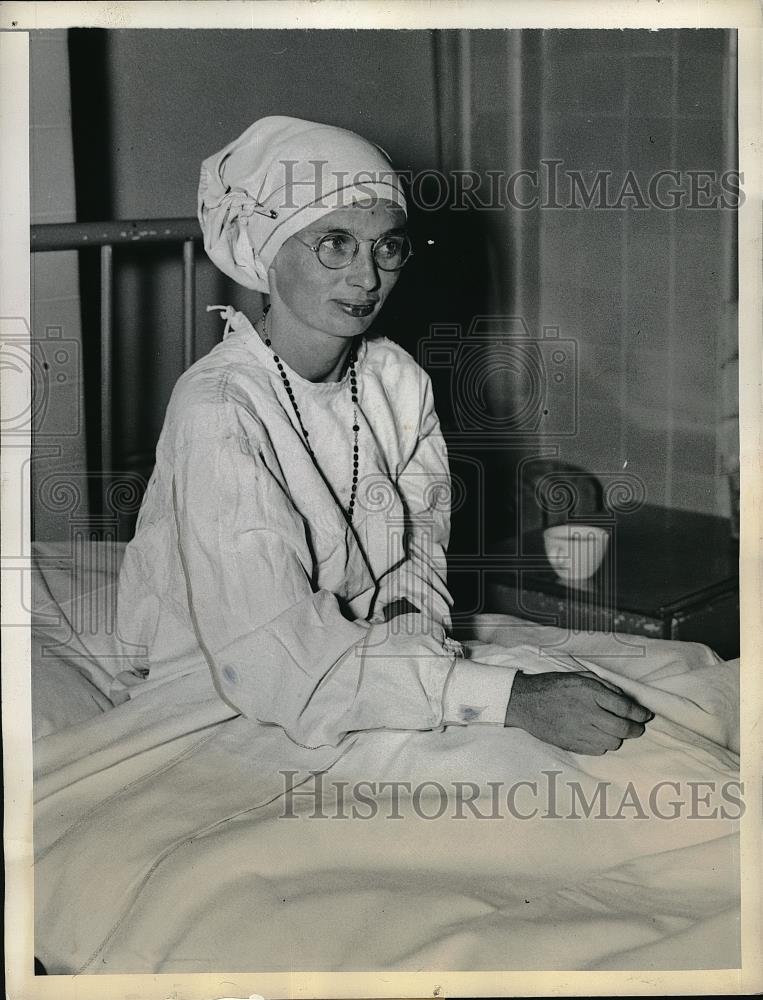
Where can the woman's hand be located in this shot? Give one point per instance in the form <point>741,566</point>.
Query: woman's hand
<point>575,711</point>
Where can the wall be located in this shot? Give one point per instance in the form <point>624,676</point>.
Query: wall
<point>645,296</point>
<point>177,96</point>
<point>58,427</point>
<point>648,295</point>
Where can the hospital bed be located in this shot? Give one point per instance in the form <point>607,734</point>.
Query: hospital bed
<point>187,839</point>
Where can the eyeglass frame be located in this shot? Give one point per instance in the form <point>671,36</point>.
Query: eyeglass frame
<point>342,232</point>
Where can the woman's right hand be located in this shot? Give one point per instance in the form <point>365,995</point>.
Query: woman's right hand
<point>575,711</point>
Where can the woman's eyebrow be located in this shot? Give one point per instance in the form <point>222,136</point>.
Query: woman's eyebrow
<point>329,229</point>
<point>323,231</point>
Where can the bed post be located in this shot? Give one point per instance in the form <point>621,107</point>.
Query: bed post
<point>107,458</point>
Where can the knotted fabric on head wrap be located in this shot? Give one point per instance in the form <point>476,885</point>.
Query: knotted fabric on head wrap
<point>282,175</point>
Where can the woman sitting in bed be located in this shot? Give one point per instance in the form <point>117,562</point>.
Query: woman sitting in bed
<point>295,525</point>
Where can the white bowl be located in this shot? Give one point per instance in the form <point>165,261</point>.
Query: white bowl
<point>575,550</point>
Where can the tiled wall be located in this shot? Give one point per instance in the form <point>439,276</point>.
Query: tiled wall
<point>646,293</point>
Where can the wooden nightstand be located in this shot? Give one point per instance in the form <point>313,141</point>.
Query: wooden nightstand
<point>668,574</point>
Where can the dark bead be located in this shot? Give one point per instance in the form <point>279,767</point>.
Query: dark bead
<point>355,479</point>
<point>276,359</point>
<point>356,427</point>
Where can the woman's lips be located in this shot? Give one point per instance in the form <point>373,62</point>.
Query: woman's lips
<point>358,310</point>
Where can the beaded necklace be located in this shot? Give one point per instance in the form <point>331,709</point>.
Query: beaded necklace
<point>355,425</point>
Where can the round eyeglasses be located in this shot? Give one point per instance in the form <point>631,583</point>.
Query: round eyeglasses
<point>335,250</point>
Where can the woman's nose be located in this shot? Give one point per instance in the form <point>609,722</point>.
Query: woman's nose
<point>363,270</point>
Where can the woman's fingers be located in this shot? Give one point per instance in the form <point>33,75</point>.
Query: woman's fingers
<point>596,742</point>
<point>611,741</point>
<point>617,726</point>
<point>573,711</point>
<point>600,680</point>
<point>621,705</point>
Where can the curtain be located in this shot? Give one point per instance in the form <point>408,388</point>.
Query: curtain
<point>728,346</point>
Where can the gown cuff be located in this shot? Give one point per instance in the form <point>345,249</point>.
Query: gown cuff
<point>477,692</point>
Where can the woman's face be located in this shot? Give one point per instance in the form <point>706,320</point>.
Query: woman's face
<point>344,301</point>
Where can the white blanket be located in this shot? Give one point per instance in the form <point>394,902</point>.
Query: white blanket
<point>163,846</point>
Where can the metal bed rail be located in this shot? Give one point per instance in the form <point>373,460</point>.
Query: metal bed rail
<point>53,237</point>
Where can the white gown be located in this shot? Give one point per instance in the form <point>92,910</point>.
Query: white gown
<point>243,551</point>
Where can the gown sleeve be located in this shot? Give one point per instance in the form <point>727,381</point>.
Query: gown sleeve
<point>476,692</point>
<point>281,651</point>
<point>424,485</point>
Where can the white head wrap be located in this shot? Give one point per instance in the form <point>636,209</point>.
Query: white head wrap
<point>282,175</point>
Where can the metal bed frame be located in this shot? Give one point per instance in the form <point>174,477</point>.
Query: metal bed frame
<point>106,235</point>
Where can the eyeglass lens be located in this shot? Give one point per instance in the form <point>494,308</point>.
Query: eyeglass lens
<point>338,249</point>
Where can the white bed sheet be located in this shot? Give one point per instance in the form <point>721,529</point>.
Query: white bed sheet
<point>161,844</point>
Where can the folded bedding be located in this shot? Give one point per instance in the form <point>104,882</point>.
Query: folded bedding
<point>186,838</point>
